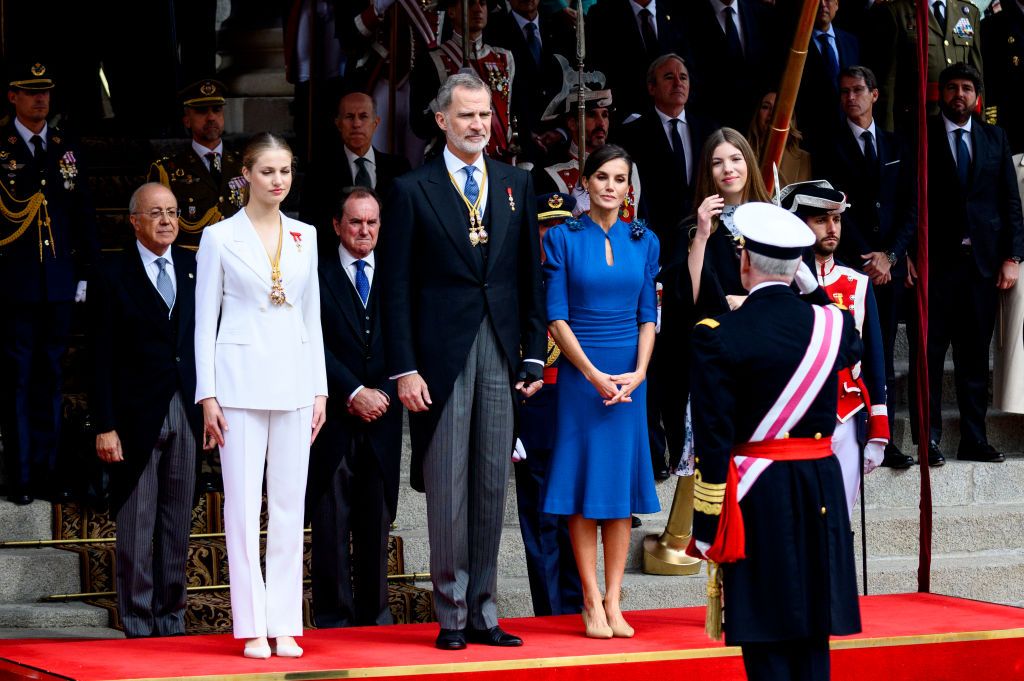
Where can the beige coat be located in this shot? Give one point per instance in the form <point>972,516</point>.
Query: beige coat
<point>1008,379</point>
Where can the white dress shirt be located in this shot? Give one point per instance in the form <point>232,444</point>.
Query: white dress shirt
<point>651,7</point>
<point>371,164</point>
<point>149,259</point>
<point>202,151</point>
<point>951,129</point>
<point>858,131</point>
<point>684,133</point>
<point>27,134</point>
<point>719,8</point>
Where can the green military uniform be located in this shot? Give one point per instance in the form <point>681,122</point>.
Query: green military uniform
<point>203,197</point>
<point>892,54</point>
<point>1004,80</point>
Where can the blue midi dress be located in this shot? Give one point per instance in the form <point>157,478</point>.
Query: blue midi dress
<point>601,462</point>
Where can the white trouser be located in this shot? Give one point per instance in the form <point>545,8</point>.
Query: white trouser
<point>280,441</point>
<point>847,450</point>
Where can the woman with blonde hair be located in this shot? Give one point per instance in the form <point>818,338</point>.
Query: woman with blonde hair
<point>261,378</point>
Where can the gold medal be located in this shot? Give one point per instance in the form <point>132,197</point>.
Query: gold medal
<point>277,295</point>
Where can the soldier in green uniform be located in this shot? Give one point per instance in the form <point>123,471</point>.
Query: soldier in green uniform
<point>954,36</point>
<point>206,179</point>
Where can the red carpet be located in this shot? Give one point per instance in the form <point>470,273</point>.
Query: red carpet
<point>906,637</point>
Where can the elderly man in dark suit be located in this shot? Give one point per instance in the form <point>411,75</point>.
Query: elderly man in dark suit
<point>875,170</point>
<point>976,242</point>
<point>353,162</point>
<point>353,466</point>
<point>463,330</point>
<point>141,328</point>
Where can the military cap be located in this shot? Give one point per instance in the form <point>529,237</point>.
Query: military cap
<point>812,198</point>
<point>555,206</point>
<point>203,93</point>
<point>30,76</point>
<point>772,231</point>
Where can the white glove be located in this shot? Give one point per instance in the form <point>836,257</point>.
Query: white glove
<point>874,452</point>
<point>518,452</point>
<point>80,292</point>
<point>657,325</point>
<point>805,279</point>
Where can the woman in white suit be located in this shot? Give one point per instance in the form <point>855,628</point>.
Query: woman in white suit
<point>263,385</point>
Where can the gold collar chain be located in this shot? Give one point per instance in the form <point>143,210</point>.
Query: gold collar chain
<point>477,232</point>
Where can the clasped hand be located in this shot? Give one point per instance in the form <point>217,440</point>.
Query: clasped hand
<point>616,388</point>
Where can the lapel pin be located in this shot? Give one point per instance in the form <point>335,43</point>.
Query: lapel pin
<point>191,276</point>
<point>511,201</point>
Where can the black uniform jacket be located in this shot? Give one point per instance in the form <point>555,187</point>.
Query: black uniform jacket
<point>437,288</point>
<point>798,578</point>
<point>140,358</point>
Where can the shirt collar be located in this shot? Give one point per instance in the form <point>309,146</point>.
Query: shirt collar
<point>27,134</point>
<point>455,165</point>
<point>347,258</point>
<point>766,284</point>
<point>523,21</point>
<point>149,257</point>
<point>352,156</point>
<point>831,32</point>
<point>202,151</point>
<point>951,126</point>
<point>718,6</point>
<point>858,131</point>
<point>665,118</point>
<point>651,7</point>
<point>931,4</point>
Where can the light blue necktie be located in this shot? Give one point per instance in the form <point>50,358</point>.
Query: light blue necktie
<point>163,283</point>
<point>362,281</point>
<point>472,189</point>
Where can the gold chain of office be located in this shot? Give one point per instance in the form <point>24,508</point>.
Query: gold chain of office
<point>23,212</point>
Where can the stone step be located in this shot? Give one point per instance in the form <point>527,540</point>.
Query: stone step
<point>51,615</point>
<point>61,633</point>
<point>1005,431</point>
<point>958,483</point>
<point>22,523</point>
<point>26,575</point>
<point>894,533</point>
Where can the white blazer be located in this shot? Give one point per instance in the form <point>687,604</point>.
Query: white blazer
<point>261,355</point>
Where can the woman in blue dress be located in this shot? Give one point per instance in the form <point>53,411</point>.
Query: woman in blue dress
<point>602,307</point>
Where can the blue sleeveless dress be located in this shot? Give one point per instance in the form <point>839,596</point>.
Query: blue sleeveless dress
<point>601,462</point>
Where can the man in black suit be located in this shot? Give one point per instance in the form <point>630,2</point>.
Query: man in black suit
<point>49,230</point>
<point>736,50</point>
<point>141,328</point>
<point>624,37</point>
<point>533,41</point>
<point>464,327</point>
<point>875,170</point>
<point>976,242</point>
<point>353,466</point>
<point>353,162</point>
<point>832,49</point>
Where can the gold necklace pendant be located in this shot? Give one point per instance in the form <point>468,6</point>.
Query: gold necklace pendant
<point>277,295</point>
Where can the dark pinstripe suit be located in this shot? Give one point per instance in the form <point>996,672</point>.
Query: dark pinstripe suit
<point>143,382</point>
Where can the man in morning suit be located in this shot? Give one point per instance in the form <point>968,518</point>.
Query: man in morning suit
<point>141,329</point>
<point>47,241</point>
<point>353,162</point>
<point>206,179</point>
<point>353,465</point>
<point>976,242</point>
<point>765,459</point>
<point>817,104</point>
<point>624,37</point>
<point>873,167</point>
<point>463,330</point>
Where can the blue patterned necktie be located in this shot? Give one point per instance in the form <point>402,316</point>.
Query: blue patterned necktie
<point>163,283</point>
<point>472,189</point>
<point>362,281</point>
<point>963,157</point>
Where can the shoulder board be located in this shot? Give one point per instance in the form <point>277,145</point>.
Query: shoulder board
<point>709,322</point>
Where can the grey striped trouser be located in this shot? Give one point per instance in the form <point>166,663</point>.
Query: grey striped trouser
<point>152,533</point>
<point>465,472</point>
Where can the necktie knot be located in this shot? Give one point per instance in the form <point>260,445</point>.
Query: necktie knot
<point>362,178</point>
<point>648,32</point>
<point>37,143</point>
<point>361,265</point>
<point>869,149</point>
<point>162,264</point>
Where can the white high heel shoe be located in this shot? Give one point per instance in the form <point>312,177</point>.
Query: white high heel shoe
<point>287,648</point>
<point>258,651</point>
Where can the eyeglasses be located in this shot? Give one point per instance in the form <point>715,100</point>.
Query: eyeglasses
<point>156,214</point>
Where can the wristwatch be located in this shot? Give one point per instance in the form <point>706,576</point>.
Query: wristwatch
<point>891,256</point>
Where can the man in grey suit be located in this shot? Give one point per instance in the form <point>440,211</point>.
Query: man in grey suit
<point>141,329</point>
<point>463,329</point>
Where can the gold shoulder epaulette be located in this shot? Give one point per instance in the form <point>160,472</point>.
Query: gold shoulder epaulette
<point>709,322</point>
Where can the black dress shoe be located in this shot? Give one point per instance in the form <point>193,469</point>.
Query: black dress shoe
<point>983,452</point>
<point>634,522</point>
<point>451,639</point>
<point>495,636</point>
<point>20,498</point>
<point>896,459</point>
<point>661,474</point>
<point>935,457</point>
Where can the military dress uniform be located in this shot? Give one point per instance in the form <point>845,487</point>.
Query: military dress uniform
<point>1003,41</point>
<point>47,241</point>
<point>207,190</point>
<point>892,54</point>
<point>768,502</point>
